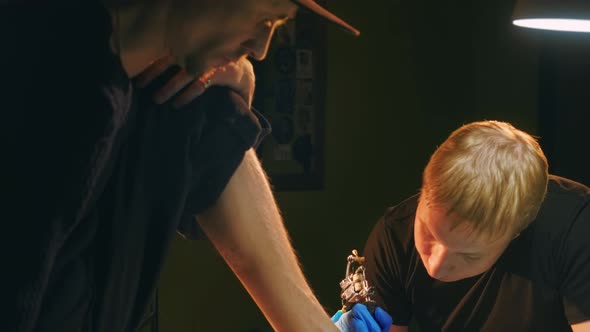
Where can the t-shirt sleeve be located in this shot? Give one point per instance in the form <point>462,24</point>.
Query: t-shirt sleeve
<point>575,286</point>
<point>231,129</point>
<point>385,258</point>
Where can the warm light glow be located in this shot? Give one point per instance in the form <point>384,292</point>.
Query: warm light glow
<point>555,24</point>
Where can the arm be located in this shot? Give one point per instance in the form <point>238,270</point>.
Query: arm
<point>395,328</point>
<point>581,327</point>
<point>385,260</point>
<point>246,228</point>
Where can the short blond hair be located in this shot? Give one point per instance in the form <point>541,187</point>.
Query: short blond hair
<point>489,174</point>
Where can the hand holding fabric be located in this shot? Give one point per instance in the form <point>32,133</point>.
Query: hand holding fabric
<point>183,87</point>
<point>359,319</point>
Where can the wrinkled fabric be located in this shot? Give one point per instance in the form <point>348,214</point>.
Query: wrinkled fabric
<point>96,178</point>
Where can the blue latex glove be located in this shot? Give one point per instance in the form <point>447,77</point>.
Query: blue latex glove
<point>359,319</point>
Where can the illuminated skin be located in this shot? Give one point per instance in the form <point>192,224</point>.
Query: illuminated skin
<point>452,254</point>
<point>232,29</point>
<point>211,39</point>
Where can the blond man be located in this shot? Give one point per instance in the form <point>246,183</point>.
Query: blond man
<point>491,243</point>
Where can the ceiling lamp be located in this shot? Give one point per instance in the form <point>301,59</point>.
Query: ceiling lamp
<point>561,15</point>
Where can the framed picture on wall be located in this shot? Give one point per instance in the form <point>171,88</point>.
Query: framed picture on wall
<point>290,93</point>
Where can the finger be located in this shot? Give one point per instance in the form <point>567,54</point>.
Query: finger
<point>359,325</point>
<point>383,319</point>
<point>152,71</point>
<point>360,311</point>
<point>192,91</point>
<point>179,81</point>
<point>336,316</point>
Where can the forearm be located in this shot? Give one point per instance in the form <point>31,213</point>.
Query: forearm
<point>246,228</point>
<point>581,327</point>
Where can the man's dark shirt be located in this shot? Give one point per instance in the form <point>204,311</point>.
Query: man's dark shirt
<point>96,178</point>
<point>540,283</point>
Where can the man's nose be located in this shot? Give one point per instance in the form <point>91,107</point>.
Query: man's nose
<point>258,46</point>
<point>438,261</point>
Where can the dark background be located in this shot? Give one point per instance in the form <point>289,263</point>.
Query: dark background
<point>419,70</point>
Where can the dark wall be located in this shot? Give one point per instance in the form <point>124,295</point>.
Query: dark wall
<point>419,70</point>
<point>564,103</point>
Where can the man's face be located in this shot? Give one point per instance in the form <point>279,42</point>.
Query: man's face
<point>452,254</point>
<point>231,29</point>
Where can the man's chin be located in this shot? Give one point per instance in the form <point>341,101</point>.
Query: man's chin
<point>447,279</point>
<point>453,278</point>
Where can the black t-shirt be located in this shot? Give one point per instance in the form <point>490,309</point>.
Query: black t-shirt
<point>540,283</point>
<point>96,178</point>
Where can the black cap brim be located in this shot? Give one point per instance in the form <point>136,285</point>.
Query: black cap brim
<point>321,11</point>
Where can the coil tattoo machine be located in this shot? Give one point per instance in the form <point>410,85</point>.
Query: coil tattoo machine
<point>355,288</point>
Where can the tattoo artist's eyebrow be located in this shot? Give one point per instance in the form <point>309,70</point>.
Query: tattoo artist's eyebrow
<point>472,254</point>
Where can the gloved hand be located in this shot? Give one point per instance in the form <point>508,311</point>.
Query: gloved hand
<point>359,319</point>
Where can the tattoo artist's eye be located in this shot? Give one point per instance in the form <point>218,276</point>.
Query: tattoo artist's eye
<point>470,258</point>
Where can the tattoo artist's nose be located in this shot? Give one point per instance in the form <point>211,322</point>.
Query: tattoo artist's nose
<point>438,261</point>
<point>258,45</point>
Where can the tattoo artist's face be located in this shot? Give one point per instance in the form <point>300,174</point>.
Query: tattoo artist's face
<point>232,29</point>
<point>451,254</point>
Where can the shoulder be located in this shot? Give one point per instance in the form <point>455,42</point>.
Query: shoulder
<point>559,233</point>
<point>564,201</point>
<point>569,208</point>
<point>402,214</point>
<point>396,229</point>
<point>548,241</point>
<point>562,209</point>
<point>566,187</point>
